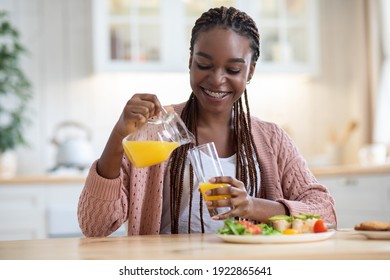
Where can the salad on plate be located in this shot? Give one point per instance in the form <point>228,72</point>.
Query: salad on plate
<point>280,229</point>
<point>278,225</point>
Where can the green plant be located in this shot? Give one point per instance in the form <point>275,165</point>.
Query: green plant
<point>15,88</point>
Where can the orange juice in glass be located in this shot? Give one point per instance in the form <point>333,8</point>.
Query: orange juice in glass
<point>209,186</point>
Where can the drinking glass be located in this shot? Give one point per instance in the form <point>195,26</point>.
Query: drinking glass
<point>206,164</point>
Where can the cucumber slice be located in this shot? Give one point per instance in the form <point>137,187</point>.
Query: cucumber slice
<point>279,217</point>
<point>300,216</point>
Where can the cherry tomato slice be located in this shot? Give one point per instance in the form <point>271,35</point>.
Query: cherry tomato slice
<point>319,226</point>
<point>251,228</point>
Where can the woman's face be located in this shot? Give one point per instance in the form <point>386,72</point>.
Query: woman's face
<point>220,67</point>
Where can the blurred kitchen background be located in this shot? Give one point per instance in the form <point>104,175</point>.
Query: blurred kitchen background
<point>323,75</point>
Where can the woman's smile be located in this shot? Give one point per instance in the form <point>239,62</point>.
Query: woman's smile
<point>215,94</point>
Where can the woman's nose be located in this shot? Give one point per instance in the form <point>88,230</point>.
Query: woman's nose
<point>218,76</point>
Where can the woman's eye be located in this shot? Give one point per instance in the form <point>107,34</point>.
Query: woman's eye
<point>203,66</point>
<point>233,71</point>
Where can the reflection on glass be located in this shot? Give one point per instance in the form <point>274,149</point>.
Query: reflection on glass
<point>268,9</point>
<point>297,41</point>
<point>120,42</point>
<point>149,49</point>
<point>295,8</point>
<point>149,8</point>
<point>269,40</point>
<point>119,7</point>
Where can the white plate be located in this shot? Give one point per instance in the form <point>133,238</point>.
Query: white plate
<point>283,238</point>
<point>371,234</point>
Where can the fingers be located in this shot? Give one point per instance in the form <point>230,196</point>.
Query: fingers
<point>137,111</point>
<point>235,187</point>
<point>237,199</point>
<point>228,180</point>
<point>224,216</point>
<point>143,106</point>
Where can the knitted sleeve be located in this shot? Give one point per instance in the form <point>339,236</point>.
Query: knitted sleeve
<point>301,191</point>
<point>102,207</point>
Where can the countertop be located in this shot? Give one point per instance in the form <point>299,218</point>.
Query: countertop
<point>353,169</point>
<point>342,170</point>
<point>42,179</point>
<point>342,245</point>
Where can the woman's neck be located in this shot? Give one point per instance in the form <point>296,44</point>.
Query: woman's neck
<point>218,129</point>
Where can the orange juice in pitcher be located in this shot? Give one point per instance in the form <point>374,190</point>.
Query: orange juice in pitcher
<point>147,153</point>
<point>154,142</point>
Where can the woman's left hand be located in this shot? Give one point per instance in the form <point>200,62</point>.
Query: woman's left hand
<point>240,201</point>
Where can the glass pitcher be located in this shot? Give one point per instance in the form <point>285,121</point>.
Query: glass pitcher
<point>154,142</point>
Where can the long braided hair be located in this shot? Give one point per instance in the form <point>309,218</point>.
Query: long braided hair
<point>246,154</point>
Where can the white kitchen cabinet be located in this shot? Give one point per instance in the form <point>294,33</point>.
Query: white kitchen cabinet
<point>134,35</point>
<point>37,210</point>
<point>359,197</point>
<point>22,213</point>
<point>61,210</point>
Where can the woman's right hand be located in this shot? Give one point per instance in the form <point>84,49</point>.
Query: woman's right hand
<point>136,113</point>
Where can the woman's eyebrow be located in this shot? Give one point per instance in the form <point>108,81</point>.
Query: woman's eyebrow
<point>205,55</point>
<point>239,60</point>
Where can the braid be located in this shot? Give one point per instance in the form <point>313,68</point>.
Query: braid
<point>231,18</point>
<point>250,151</point>
<point>246,152</point>
<point>178,160</point>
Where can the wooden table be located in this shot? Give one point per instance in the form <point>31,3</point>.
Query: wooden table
<point>342,245</point>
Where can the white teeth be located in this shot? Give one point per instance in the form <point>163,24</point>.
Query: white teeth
<point>215,94</point>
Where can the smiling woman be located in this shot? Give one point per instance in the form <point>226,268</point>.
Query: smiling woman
<point>266,175</point>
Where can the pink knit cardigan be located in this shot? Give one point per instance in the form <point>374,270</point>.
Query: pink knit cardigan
<point>137,194</point>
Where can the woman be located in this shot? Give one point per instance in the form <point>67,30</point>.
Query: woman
<point>266,173</point>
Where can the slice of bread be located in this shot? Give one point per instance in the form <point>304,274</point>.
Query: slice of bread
<point>373,225</point>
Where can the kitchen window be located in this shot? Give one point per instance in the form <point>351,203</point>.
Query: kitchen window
<point>152,35</point>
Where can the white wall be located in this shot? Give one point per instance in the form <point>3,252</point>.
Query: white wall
<point>382,128</point>
<point>59,36</point>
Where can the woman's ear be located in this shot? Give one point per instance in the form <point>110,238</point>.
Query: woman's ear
<point>251,71</point>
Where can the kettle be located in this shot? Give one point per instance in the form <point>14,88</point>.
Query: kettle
<point>74,149</point>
